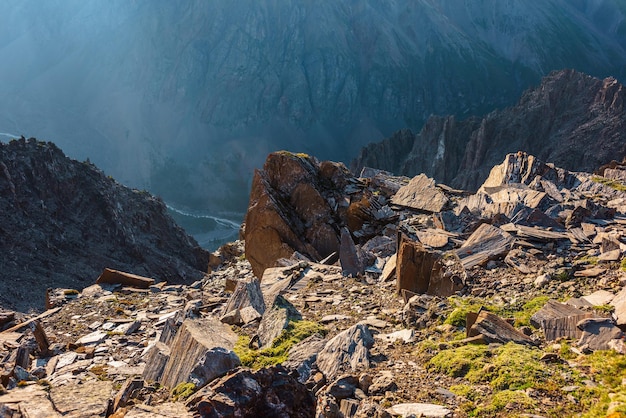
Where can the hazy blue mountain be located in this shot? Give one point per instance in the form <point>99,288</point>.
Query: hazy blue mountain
<point>185,98</point>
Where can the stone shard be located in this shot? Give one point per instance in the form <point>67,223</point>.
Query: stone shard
<point>389,270</point>
<point>422,194</point>
<point>559,320</point>
<point>163,410</point>
<point>303,355</point>
<point>348,351</point>
<point>30,401</point>
<point>193,340</point>
<point>247,294</point>
<point>125,279</point>
<point>216,362</point>
<point>485,243</point>
<point>369,409</point>
<point>351,264</point>
<point>495,329</point>
<point>275,320</point>
<point>126,391</point>
<point>269,392</point>
<point>156,358</point>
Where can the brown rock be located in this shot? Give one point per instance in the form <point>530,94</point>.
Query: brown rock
<point>414,267</point>
<point>559,320</point>
<point>485,243</point>
<point>495,329</point>
<point>597,333</point>
<point>287,212</point>
<point>348,351</point>
<point>125,279</point>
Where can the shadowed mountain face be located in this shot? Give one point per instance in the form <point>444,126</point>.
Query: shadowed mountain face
<point>573,119</point>
<point>186,98</point>
<point>62,222</point>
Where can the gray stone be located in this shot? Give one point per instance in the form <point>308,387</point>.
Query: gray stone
<point>597,333</point>
<point>422,194</point>
<point>351,265</point>
<point>406,335</point>
<point>348,351</point>
<point>95,337</point>
<point>89,399</point>
<point>542,280</point>
<point>383,383</point>
<point>619,303</point>
<point>303,355</point>
<point>369,409</point>
<point>247,293</point>
<point>162,410</point>
<point>215,363</point>
<point>275,320</point>
<point>193,340</point>
<point>343,387</point>
<point>233,317</point>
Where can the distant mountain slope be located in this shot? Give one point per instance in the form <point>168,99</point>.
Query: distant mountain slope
<point>186,98</point>
<point>62,222</point>
<point>572,119</point>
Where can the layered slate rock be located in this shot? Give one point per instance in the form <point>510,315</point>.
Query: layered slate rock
<point>347,351</point>
<point>296,204</point>
<point>198,343</point>
<point>559,320</point>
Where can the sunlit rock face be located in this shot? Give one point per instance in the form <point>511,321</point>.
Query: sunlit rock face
<point>187,98</point>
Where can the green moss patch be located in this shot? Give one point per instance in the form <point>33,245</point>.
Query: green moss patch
<point>509,367</point>
<point>277,353</point>
<point>613,184</point>
<point>182,391</point>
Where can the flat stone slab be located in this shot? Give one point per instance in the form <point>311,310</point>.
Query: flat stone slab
<point>88,399</point>
<point>406,335</point>
<point>420,410</point>
<point>422,194</point>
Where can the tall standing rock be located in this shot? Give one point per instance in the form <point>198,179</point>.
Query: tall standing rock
<point>296,204</point>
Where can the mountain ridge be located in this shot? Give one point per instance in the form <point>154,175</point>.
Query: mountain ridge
<point>193,96</point>
<point>555,121</point>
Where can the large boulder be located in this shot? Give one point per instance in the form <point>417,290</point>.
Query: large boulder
<point>296,204</point>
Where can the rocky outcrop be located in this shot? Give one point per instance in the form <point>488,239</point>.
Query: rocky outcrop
<point>300,204</point>
<point>555,121</point>
<point>62,222</point>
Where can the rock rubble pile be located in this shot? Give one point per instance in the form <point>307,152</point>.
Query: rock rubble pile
<point>369,296</point>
